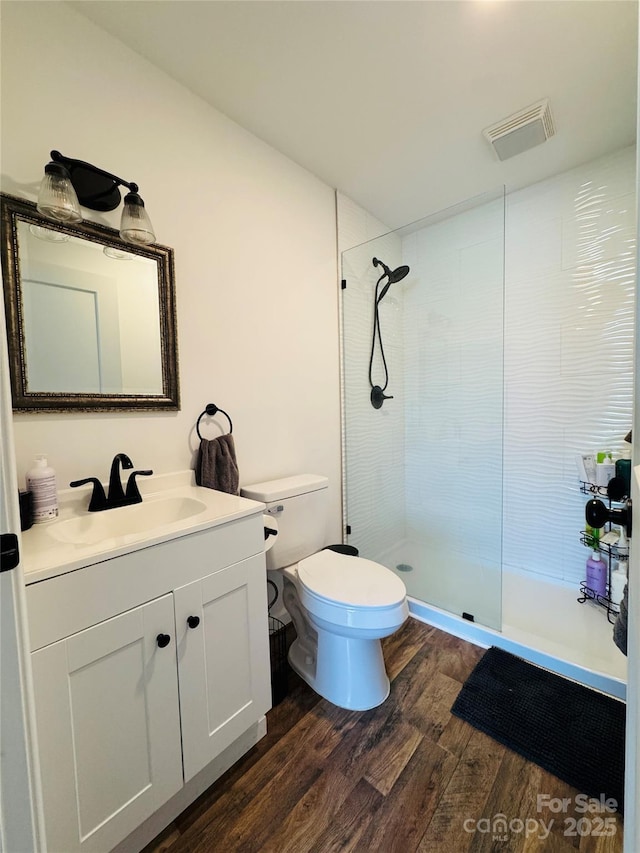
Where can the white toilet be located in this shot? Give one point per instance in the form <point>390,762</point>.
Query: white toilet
<point>341,605</point>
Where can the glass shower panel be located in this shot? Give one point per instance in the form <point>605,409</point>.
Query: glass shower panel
<point>423,473</point>
<point>374,479</point>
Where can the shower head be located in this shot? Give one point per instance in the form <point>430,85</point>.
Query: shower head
<point>393,275</point>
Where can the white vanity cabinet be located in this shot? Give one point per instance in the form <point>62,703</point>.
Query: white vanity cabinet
<point>108,728</point>
<point>135,697</point>
<point>223,676</point>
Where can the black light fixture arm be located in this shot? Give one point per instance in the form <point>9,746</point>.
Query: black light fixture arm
<point>70,162</point>
<point>96,188</point>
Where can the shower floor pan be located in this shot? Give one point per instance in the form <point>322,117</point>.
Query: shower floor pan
<point>533,617</point>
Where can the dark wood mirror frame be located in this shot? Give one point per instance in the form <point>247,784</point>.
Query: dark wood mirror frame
<point>14,209</point>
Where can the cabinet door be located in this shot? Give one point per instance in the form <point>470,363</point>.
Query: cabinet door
<point>223,661</point>
<point>108,728</point>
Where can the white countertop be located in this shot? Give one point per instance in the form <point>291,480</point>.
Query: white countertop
<point>44,555</point>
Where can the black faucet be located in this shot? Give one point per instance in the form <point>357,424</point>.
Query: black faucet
<point>132,495</point>
<point>98,500</point>
<point>117,496</point>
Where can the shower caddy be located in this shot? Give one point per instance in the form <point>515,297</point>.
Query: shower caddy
<point>608,552</point>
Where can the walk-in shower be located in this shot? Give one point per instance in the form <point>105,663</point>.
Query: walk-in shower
<point>508,349</point>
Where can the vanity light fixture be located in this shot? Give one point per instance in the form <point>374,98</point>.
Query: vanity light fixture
<point>69,183</point>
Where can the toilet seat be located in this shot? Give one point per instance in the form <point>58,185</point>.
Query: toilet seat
<point>352,582</point>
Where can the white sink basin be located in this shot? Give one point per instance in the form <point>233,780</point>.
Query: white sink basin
<point>95,527</point>
<point>172,507</point>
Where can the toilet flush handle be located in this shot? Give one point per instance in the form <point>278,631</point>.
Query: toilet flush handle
<point>274,510</point>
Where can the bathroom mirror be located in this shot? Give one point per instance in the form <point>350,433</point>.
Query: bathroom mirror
<point>91,319</point>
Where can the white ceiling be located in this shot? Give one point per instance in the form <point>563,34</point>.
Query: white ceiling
<point>385,99</point>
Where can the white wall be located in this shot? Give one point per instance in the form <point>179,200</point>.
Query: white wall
<point>255,248</point>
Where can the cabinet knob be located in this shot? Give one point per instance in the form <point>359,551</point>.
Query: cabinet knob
<point>163,640</point>
<point>193,621</point>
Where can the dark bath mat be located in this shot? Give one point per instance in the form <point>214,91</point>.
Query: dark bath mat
<point>572,731</point>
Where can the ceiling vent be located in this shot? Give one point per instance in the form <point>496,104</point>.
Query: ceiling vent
<point>521,131</point>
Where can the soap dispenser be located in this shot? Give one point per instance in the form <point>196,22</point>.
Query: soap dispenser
<point>41,482</point>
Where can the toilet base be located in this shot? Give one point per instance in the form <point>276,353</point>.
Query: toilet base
<point>348,672</point>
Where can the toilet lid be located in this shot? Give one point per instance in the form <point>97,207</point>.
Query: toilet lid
<point>350,580</point>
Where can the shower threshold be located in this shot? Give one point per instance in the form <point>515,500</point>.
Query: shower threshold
<point>544,624</point>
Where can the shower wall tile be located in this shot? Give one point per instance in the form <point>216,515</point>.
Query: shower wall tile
<point>568,353</point>
<point>535,245</point>
<point>355,224</point>
<point>477,270</point>
<point>453,386</point>
<point>478,225</point>
<point>599,231</point>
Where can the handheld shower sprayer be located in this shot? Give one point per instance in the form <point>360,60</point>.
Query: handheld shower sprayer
<point>378,396</point>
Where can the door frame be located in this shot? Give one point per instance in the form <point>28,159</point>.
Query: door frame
<point>632,746</point>
<point>21,813</point>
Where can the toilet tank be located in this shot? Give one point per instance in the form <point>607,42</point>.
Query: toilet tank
<point>300,507</point>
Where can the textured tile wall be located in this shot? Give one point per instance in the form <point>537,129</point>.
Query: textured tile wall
<point>453,331</point>
<point>569,325</point>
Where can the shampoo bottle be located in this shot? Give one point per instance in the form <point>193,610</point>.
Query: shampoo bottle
<point>623,466</point>
<point>622,548</point>
<point>618,583</point>
<point>605,469</point>
<point>41,482</point>
<point>597,574</point>
<point>592,536</point>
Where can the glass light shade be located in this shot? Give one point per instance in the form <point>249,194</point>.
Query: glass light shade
<point>135,225</point>
<point>57,198</point>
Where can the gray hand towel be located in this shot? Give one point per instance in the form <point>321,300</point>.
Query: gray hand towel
<point>216,467</point>
<point>620,625</point>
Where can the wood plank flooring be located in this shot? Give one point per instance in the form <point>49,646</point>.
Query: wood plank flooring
<point>404,777</point>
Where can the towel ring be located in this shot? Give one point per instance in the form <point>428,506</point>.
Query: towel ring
<point>211,410</point>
